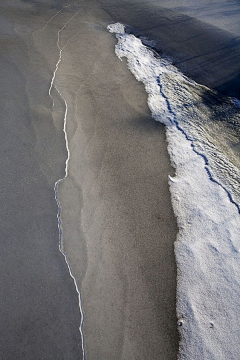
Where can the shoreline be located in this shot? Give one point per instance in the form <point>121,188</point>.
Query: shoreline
<point>103,208</point>
<point>112,208</point>
<point>117,216</point>
<point>205,53</point>
<point>187,109</point>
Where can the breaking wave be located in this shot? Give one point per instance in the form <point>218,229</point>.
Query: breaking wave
<point>203,142</point>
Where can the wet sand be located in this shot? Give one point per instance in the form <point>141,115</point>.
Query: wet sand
<point>118,223</point>
<point>117,218</point>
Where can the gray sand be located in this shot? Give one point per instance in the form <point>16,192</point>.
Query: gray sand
<point>39,304</point>
<point>117,219</point>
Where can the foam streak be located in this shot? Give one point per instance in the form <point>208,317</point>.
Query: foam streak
<point>60,180</point>
<point>47,22</point>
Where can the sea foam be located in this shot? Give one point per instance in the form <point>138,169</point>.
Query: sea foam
<point>201,131</point>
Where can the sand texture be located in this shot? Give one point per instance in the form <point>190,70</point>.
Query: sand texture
<point>118,228</point>
<point>118,224</point>
<point>39,305</point>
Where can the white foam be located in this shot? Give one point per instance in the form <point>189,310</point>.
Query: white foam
<point>208,244</point>
<point>116,28</point>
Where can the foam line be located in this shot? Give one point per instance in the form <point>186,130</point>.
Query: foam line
<point>205,200</point>
<point>60,228</point>
<point>60,180</point>
<point>34,32</point>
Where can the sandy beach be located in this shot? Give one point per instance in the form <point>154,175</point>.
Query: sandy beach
<point>39,305</point>
<point>118,227</point>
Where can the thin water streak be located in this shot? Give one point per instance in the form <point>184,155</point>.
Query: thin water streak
<point>60,180</point>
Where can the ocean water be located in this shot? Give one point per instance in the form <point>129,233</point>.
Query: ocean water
<point>221,13</point>
<point>203,142</point>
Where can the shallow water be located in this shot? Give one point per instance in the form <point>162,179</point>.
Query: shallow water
<point>202,126</point>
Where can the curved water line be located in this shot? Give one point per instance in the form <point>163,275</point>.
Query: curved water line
<point>60,180</point>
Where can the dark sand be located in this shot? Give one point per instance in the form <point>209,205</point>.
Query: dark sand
<point>117,218</point>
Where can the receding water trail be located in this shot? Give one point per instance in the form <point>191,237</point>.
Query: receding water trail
<point>47,22</point>
<point>65,176</point>
<point>202,127</point>
<point>60,54</point>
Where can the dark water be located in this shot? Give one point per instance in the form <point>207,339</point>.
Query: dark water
<point>205,53</point>
<point>204,125</point>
